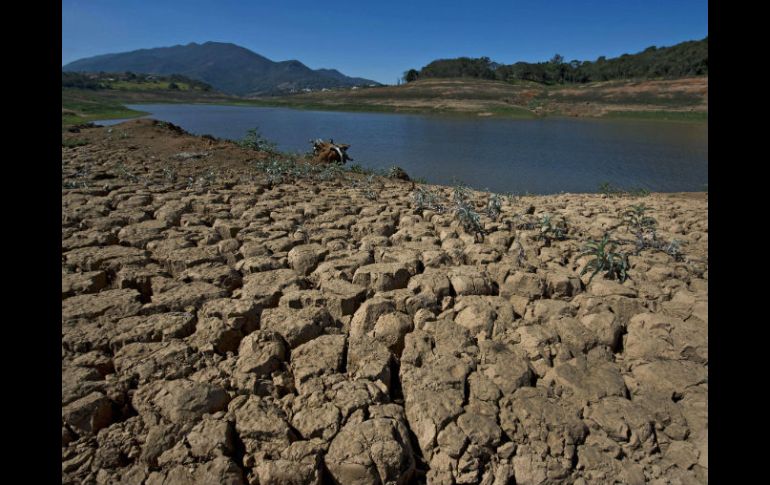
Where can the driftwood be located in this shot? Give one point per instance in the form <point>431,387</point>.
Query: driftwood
<point>327,152</point>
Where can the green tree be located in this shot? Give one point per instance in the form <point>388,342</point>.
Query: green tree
<point>411,75</point>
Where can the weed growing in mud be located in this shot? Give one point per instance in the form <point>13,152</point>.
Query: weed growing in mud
<point>465,213</point>
<point>208,178</point>
<point>641,225</point>
<point>277,170</point>
<point>552,228</point>
<point>512,197</point>
<point>205,179</point>
<point>396,172</point>
<point>357,168</point>
<point>674,249</point>
<point>170,174</point>
<point>125,173</point>
<point>425,199</point>
<point>614,264</point>
<point>78,180</point>
<point>282,170</point>
<point>638,192</point>
<point>469,219</point>
<point>330,172</point>
<point>255,141</point>
<point>494,206</point>
<point>460,194</point>
<point>610,190</point>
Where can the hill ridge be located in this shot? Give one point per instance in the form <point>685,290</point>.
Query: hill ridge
<point>228,67</point>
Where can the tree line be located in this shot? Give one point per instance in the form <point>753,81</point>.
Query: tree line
<point>103,80</point>
<point>681,60</point>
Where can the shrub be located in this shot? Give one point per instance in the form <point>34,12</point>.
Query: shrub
<point>255,141</point>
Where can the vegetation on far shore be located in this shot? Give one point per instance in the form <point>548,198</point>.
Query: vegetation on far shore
<point>687,116</point>
<point>78,108</point>
<point>686,59</point>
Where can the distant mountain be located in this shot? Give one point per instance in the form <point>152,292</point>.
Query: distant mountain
<point>227,67</point>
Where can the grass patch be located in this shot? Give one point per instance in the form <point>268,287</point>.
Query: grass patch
<point>512,112</point>
<point>73,142</point>
<point>81,107</point>
<point>687,116</point>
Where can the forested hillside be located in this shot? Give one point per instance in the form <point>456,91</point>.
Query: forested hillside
<point>686,59</point>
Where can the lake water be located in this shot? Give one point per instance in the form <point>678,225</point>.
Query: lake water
<point>541,156</point>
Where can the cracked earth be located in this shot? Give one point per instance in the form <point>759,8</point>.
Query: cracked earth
<point>241,331</point>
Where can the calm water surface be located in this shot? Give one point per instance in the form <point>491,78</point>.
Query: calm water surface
<point>538,156</point>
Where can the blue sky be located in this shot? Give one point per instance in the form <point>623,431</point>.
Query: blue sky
<point>380,40</point>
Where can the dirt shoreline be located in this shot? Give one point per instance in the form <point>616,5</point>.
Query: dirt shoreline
<point>674,100</point>
<point>223,326</point>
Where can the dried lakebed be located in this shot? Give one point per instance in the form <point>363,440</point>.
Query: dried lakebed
<point>235,331</point>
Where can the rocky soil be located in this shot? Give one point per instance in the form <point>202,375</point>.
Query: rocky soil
<point>221,329</point>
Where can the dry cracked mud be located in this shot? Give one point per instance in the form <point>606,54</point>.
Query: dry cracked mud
<point>237,331</point>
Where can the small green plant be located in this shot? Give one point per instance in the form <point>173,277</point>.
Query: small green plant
<point>469,219</point>
<point>170,174</point>
<point>78,180</point>
<point>674,249</point>
<point>425,199</point>
<point>209,177</point>
<point>639,192</point>
<point>125,173</point>
<point>613,264</point>
<point>205,179</point>
<point>641,225</point>
<point>552,228</point>
<point>330,172</point>
<point>356,168</point>
<point>465,213</point>
<point>494,206</point>
<point>420,180</point>
<point>460,194</point>
<point>277,170</point>
<point>609,190</point>
<point>512,197</point>
<point>255,141</point>
<point>395,172</point>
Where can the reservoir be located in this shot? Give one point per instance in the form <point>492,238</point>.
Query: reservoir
<point>537,156</point>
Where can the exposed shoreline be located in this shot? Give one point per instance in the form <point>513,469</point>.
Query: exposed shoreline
<point>683,100</point>
<point>229,320</point>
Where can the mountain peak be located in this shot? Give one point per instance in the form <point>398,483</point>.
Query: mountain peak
<point>228,67</point>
